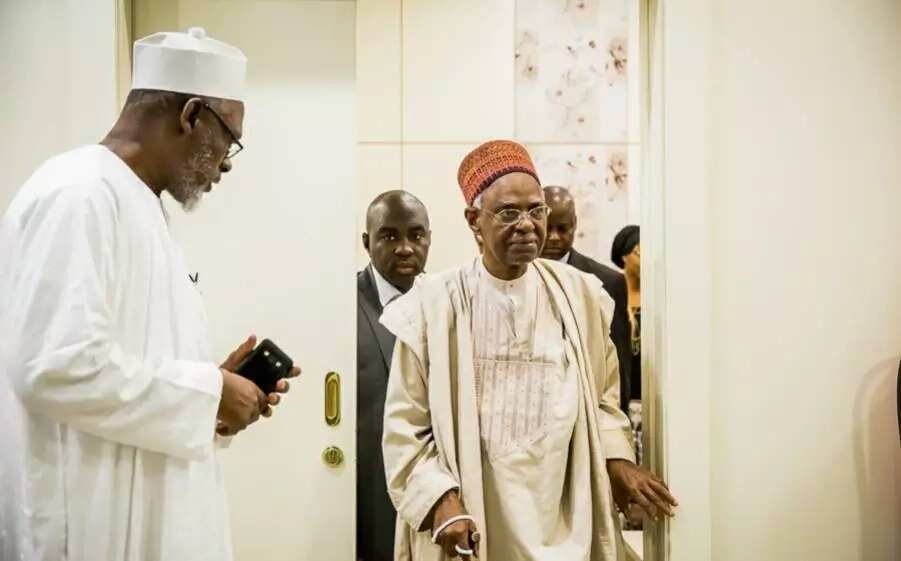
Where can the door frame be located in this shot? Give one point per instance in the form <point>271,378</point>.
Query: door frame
<point>653,263</point>
<point>677,270</point>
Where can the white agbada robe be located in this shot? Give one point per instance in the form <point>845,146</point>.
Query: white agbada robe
<point>108,388</point>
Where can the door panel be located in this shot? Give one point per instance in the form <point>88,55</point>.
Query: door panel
<point>274,246</point>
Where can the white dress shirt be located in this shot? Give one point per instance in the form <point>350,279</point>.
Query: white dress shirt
<point>387,291</point>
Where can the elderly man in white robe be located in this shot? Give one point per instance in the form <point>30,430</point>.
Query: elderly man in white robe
<point>503,437</point>
<point>110,399</point>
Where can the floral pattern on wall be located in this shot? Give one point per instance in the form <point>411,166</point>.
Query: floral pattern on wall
<point>571,64</point>
<point>599,179</point>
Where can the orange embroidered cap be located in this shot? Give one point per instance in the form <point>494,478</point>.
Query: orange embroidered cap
<point>488,163</point>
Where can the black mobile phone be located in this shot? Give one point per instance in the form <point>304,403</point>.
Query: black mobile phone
<point>266,365</point>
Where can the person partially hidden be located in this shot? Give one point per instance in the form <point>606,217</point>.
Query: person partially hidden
<point>562,225</point>
<point>397,239</point>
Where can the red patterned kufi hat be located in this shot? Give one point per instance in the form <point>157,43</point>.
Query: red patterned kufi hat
<point>488,163</point>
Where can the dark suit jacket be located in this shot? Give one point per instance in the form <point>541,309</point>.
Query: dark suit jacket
<point>375,344</point>
<point>615,285</point>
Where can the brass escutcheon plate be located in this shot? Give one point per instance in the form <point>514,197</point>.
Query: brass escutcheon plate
<point>333,456</point>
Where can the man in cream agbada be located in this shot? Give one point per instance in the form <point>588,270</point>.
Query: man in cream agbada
<point>503,435</point>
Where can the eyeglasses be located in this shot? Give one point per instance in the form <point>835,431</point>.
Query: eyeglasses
<point>510,216</point>
<point>235,145</point>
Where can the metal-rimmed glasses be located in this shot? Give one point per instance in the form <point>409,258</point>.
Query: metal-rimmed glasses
<point>235,145</point>
<point>510,216</point>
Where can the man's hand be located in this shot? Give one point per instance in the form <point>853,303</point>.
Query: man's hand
<point>460,534</point>
<point>240,405</point>
<point>225,427</point>
<point>282,386</point>
<point>635,485</point>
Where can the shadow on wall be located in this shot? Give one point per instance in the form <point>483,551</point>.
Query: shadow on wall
<point>878,460</point>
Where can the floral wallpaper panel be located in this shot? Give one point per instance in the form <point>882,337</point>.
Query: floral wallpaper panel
<point>599,178</point>
<point>572,64</point>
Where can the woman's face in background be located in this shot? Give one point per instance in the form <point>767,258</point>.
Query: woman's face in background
<point>632,260</point>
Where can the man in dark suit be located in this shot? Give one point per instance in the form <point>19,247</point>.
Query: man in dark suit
<point>397,239</point>
<point>561,232</point>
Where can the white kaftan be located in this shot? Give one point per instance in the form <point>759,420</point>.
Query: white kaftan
<point>108,389</point>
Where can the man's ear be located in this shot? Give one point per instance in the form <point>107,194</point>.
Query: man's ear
<point>366,241</point>
<point>189,114</point>
<point>472,217</point>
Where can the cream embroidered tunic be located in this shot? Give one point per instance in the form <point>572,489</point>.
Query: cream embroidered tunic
<point>528,404</point>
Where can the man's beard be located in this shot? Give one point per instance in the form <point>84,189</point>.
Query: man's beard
<point>184,188</point>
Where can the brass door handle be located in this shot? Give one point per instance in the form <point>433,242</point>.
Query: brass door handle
<point>332,399</point>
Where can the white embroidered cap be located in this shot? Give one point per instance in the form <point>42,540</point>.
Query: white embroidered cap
<point>190,63</point>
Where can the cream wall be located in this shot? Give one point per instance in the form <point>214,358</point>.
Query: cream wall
<point>419,112</point>
<point>58,85</point>
<point>782,317</point>
<point>436,78</point>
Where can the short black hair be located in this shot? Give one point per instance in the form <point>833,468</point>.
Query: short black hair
<point>623,244</point>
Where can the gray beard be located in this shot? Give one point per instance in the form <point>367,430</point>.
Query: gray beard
<point>183,189</point>
<point>187,197</point>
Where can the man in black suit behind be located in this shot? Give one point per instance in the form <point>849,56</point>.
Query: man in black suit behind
<point>397,239</point>
<point>561,232</point>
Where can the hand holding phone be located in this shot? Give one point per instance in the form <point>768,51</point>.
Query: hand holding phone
<point>266,365</point>
<point>242,374</point>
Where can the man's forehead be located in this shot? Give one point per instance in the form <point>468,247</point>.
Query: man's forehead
<point>562,216</point>
<point>514,189</point>
<point>558,196</point>
<point>560,201</point>
<point>399,216</point>
<point>518,201</point>
<point>562,213</point>
<point>395,222</point>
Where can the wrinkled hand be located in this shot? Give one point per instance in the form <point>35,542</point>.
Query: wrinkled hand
<point>460,534</point>
<point>633,484</point>
<point>224,426</point>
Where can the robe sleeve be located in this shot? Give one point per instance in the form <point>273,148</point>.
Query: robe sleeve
<point>68,365</point>
<point>616,429</point>
<point>416,476</point>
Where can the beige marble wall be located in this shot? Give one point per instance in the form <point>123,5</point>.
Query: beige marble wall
<point>436,78</point>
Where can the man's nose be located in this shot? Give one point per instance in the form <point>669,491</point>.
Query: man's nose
<point>404,249</point>
<point>226,165</point>
<point>525,224</point>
